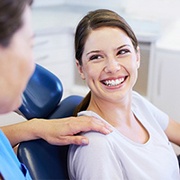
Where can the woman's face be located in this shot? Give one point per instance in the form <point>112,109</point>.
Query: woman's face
<point>109,63</point>
<point>17,65</point>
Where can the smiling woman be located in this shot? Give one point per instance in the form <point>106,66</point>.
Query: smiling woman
<point>108,58</point>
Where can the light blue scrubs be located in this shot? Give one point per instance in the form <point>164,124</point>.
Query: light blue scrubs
<point>10,167</point>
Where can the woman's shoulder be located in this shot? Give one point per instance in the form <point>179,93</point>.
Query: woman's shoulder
<point>99,146</point>
<point>97,139</point>
<point>97,142</point>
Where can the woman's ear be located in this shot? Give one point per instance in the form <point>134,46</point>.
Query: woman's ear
<point>138,59</point>
<point>80,70</point>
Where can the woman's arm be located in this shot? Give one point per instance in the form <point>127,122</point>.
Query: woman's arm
<point>55,131</point>
<point>173,131</point>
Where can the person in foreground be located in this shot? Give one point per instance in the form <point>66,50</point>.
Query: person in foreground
<point>108,58</point>
<point>17,65</point>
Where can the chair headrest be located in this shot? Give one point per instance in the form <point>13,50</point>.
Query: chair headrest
<point>42,94</point>
<point>66,107</point>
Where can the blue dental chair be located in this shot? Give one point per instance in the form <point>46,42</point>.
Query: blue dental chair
<point>42,99</point>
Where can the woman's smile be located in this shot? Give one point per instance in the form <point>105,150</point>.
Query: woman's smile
<point>113,82</point>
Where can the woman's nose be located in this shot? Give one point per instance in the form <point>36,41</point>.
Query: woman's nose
<point>112,66</point>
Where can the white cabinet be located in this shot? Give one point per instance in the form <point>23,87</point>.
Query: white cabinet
<point>165,88</point>
<point>165,72</point>
<point>54,42</point>
<point>54,51</point>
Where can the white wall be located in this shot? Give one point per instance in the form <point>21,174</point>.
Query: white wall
<point>164,11</point>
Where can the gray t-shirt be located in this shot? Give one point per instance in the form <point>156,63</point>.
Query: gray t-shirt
<point>114,156</point>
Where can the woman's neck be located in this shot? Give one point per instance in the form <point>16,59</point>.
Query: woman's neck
<point>120,115</point>
<point>115,113</point>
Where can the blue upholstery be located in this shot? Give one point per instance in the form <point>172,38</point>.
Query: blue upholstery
<point>42,94</point>
<point>43,160</point>
<point>66,107</point>
<point>46,161</point>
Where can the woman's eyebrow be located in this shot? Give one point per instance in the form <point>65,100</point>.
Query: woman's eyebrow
<point>123,46</point>
<point>93,51</point>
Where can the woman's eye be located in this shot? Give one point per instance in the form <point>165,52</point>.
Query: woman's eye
<point>94,57</point>
<point>123,51</point>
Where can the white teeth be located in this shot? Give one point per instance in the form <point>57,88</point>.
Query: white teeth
<point>114,82</point>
